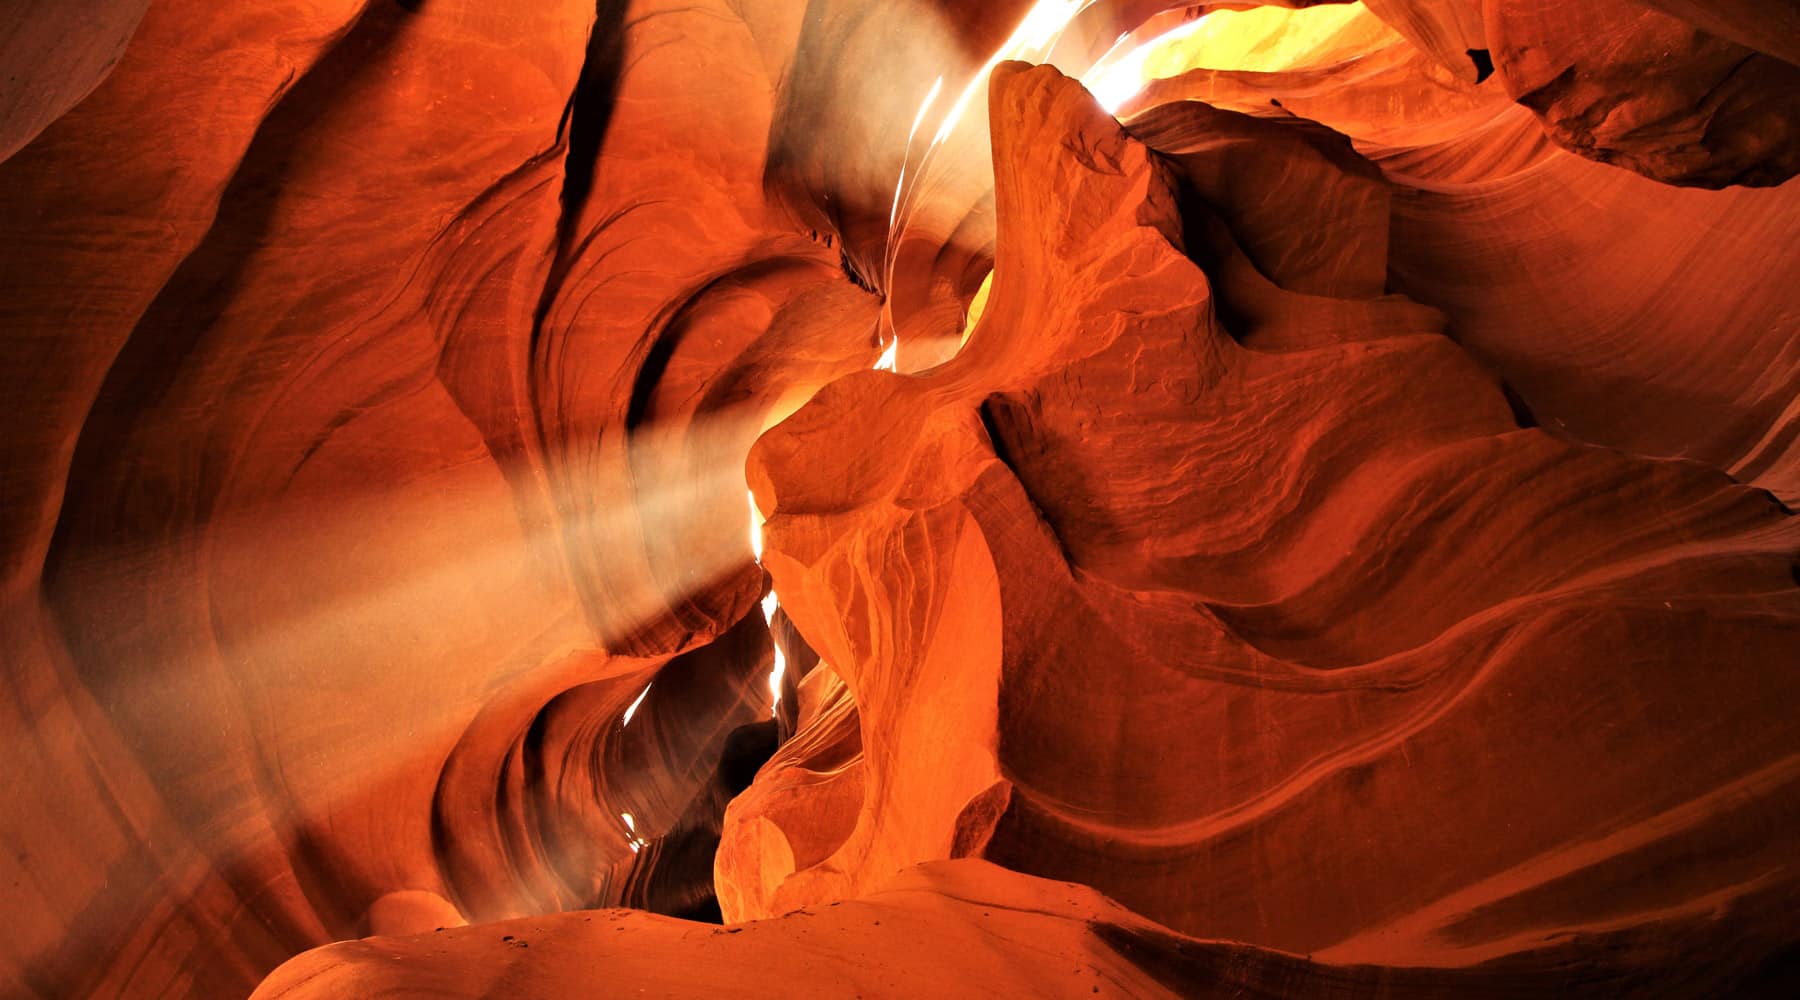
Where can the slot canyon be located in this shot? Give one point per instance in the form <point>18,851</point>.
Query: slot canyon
<point>900,498</point>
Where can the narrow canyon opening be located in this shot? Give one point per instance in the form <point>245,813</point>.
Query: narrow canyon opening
<point>860,498</point>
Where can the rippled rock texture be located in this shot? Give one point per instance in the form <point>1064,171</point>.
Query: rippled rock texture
<point>1318,525</point>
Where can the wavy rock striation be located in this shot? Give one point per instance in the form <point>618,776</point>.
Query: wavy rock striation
<point>1349,543</point>
<point>1204,546</point>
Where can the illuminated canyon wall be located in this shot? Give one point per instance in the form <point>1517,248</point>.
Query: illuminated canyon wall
<point>835,498</point>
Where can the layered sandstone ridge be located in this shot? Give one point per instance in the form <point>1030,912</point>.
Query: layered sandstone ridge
<point>1346,554</point>
<point>951,929</point>
<point>1203,546</point>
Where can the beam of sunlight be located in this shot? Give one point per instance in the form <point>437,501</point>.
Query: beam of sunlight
<point>1034,38</point>
<point>756,541</point>
<point>631,710</point>
<point>946,180</point>
<point>1031,41</point>
<point>632,840</point>
<point>338,634</point>
<point>906,154</point>
<point>775,675</point>
<point>1113,81</point>
<point>400,609</point>
<point>769,603</point>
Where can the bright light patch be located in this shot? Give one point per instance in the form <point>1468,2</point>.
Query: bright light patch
<point>1031,41</point>
<point>755,527</point>
<point>1262,39</point>
<point>775,676</point>
<point>635,842</point>
<point>886,362</point>
<point>977,306</point>
<point>900,182</point>
<point>918,119</point>
<point>1268,39</point>
<point>770,601</point>
<point>631,710</point>
<point>1115,81</point>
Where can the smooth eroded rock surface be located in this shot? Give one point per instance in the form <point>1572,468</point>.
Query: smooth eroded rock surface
<point>1318,532</point>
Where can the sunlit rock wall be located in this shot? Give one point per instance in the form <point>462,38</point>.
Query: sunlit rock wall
<point>1346,553</point>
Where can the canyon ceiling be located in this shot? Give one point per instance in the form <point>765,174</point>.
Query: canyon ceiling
<point>893,498</point>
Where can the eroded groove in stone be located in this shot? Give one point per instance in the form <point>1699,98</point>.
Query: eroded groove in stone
<point>1320,520</point>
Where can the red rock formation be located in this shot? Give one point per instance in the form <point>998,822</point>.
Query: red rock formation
<point>1662,96</point>
<point>55,55</point>
<point>956,929</point>
<point>382,374</point>
<point>317,560</point>
<point>1200,562</point>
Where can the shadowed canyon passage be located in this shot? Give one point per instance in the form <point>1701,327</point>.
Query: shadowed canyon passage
<point>1273,500</point>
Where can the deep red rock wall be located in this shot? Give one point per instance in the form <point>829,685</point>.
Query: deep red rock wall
<point>1268,557</point>
<point>1349,550</point>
